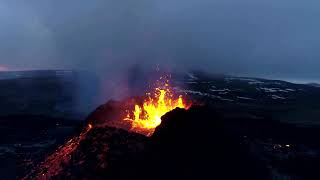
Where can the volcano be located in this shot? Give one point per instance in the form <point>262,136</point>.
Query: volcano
<point>157,136</point>
<point>240,133</point>
<point>188,144</point>
<point>140,114</point>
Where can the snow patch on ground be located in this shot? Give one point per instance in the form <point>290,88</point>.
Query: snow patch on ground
<point>292,90</point>
<point>198,93</point>
<point>249,80</point>
<point>245,98</point>
<point>269,90</point>
<point>275,90</point>
<point>192,76</point>
<point>220,90</point>
<point>255,82</point>
<point>277,97</point>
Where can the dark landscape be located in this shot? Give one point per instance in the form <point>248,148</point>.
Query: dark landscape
<point>161,89</point>
<point>237,128</point>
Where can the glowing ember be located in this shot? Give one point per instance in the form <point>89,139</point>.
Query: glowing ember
<point>147,116</point>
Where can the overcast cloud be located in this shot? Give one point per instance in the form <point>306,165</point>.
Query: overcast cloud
<point>268,38</point>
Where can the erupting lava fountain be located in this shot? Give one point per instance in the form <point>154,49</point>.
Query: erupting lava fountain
<point>146,116</point>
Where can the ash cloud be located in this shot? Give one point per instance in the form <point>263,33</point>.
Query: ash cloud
<point>275,39</point>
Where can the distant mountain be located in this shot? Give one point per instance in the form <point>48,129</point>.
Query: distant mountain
<point>34,74</point>
<point>281,100</point>
<point>314,85</point>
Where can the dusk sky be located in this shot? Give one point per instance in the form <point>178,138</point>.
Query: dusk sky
<point>265,38</point>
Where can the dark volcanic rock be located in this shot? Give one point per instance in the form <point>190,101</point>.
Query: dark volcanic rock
<point>102,150</point>
<point>106,113</point>
<point>94,154</point>
<point>111,114</point>
<point>193,144</point>
<point>189,144</point>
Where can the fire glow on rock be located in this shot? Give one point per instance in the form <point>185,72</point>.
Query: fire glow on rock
<point>147,116</point>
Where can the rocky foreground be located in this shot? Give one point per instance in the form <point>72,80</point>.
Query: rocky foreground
<point>189,144</point>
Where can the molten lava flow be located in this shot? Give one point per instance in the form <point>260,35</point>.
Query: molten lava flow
<point>53,165</point>
<point>147,116</point>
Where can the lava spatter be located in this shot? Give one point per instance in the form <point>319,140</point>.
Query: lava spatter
<point>147,116</point>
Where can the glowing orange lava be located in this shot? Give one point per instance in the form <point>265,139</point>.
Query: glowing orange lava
<point>53,164</point>
<point>147,116</point>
